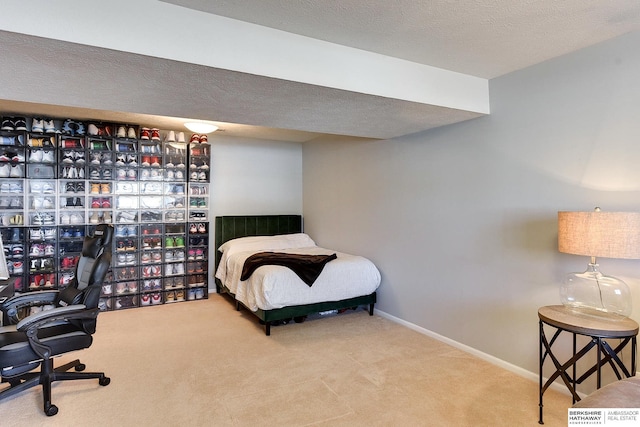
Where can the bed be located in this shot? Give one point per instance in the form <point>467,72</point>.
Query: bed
<point>275,293</point>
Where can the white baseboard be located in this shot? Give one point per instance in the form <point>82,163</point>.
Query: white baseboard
<point>477,353</point>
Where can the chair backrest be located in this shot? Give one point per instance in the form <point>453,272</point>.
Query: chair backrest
<point>91,270</point>
<point>91,267</point>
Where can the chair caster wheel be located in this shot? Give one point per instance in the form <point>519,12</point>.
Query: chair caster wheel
<point>104,381</point>
<point>51,410</point>
<point>80,367</point>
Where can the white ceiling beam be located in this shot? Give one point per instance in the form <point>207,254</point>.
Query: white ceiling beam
<point>163,30</point>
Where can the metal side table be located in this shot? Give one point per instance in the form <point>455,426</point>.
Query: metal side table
<point>598,329</point>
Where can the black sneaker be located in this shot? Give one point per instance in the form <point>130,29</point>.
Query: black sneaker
<point>70,187</point>
<point>79,187</point>
<point>20,123</point>
<point>7,124</point>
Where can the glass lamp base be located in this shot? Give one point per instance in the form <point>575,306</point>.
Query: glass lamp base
<point>595,294</point>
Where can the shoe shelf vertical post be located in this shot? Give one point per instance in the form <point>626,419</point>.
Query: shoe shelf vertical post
<point>41,207</point>
<point>198,223</point>
<point>174,201</point>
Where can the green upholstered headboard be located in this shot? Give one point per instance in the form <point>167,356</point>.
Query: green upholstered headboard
<point>232,227</point>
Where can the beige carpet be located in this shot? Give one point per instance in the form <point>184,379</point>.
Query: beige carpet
<point>202,363</point>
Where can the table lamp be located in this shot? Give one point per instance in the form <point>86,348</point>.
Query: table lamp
<point>598,234</point>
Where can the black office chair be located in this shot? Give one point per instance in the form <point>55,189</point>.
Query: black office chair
<point>35,339</point>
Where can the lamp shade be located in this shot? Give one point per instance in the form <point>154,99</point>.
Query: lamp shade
<point>600,234</point>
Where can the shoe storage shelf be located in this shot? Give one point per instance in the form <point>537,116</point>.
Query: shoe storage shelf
<point>58,179</point>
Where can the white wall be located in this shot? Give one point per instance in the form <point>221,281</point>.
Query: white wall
<point>461,220</point>
<point>255,177</point>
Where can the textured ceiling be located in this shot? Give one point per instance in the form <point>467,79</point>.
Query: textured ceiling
<point>484,38</point>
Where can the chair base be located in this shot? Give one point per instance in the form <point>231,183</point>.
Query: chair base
<point>46,377</point>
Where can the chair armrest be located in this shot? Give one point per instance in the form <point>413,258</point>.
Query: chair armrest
<point>12,305</point>
<point>70,312</point>
<point>31,325</point>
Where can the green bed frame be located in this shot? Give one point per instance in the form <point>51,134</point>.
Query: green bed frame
<point>232,227</point>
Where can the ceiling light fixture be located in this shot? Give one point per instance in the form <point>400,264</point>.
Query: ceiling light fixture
<point>201,127</point>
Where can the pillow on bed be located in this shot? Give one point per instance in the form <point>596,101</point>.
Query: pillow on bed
<point>266,243</point>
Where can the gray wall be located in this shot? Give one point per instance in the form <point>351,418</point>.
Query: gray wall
<point>461,220</point>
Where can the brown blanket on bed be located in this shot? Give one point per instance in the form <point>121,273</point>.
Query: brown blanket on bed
<point>307,267</point>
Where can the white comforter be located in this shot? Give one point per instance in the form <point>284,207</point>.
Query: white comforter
<point>271,287</point>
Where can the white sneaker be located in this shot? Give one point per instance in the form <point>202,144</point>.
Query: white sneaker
<point>49,126</point>
<point>48,157</point>
<point>65,219</point>
<point>17,171</point>
<point>47,188</point>
<point>48,219</point>
<point>171,136</point>
<point>37,219</point>
<point>35,156</point>
<point>47,203</point>
<point>178,269</point>
<point>37,125</point>
<point>5,170</point>
<point>131,133</point>
<point>181,137</point>
<point>76,219</point>
<point>122,132</point>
